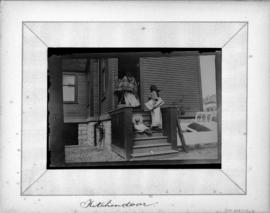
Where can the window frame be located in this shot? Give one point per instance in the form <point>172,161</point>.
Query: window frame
<point>75,88</point>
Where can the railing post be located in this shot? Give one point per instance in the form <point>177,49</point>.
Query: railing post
<point>122,131</point>
<point>128,132</point>
<point>169,115</point>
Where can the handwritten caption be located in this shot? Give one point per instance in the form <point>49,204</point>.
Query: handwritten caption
<point>90,203</point>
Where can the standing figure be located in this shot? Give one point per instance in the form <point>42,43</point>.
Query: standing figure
<point>129,86</point>
<point>154,105</point>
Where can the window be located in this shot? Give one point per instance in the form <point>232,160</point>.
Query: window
<point>69,88</point>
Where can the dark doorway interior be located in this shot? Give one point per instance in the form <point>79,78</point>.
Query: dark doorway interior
<point>129,63</point>
<point>70,133</point>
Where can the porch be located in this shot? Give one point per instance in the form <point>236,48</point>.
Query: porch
<point>178,76</point>
<point>123,143</point>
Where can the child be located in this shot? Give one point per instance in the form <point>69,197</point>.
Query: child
<point>156,102</point>
<point>139,125</point>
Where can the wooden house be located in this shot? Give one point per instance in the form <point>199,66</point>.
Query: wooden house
<point>88,82</point>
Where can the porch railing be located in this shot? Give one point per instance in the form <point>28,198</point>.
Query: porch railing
<point>122,131</point>
<point>169,116</point>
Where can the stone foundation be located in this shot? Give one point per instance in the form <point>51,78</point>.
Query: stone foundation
<point>82,134</point>
<point>86,151</point>
<point>86,134</point>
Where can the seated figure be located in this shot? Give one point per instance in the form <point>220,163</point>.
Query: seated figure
<point>139,126</point>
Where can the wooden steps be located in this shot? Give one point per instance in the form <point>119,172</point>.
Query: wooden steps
<point>155,133</point>
<point>154,155</point>
<point>150,147</point>
<point>150,140</point>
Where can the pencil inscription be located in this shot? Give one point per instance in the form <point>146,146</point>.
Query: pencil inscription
<point>95,204</point>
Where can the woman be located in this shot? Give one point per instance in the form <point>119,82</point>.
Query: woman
<point>155,111</point>
<point>128,84</point>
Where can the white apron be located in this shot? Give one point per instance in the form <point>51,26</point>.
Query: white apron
<point>156,118</point>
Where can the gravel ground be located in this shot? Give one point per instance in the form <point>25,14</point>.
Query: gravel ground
<point>198,153</point>
<point>103,155</point>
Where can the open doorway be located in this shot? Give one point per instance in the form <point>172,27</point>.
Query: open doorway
<point>128,91</point>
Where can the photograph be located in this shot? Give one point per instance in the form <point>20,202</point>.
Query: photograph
<point>134,108</point>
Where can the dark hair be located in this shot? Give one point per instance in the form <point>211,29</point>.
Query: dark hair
<point>154,88</point>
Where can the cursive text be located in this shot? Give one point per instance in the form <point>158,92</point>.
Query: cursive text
<point>95,204</point>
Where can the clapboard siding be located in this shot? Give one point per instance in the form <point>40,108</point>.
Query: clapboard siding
<point>95,83</point>
<point>108,103</point>
<point>177,77</point>
<point>113,68</point>
<point>78,110</point>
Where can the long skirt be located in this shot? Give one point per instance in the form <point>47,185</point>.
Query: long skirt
<point>131,99</point>
<point>156,118</point>
<point>140,127</point>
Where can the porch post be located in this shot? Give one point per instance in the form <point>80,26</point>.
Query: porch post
<point>56,144</point>
<point>169,116</point>
<point>218,64</point>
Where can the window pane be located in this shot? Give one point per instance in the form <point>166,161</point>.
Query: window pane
<point>68,93</point>
<point>68,80</point>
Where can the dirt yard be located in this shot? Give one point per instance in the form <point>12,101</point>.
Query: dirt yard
<point>103,155</point>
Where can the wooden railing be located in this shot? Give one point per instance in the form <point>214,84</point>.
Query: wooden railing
<point>169,118</point>
<point>122,131</point>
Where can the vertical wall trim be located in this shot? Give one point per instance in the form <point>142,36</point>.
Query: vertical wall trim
<point>98,87</point>
<point>55,113</point>
<point>141,81</point>
<point>218,63</point>
<point>200,81</point>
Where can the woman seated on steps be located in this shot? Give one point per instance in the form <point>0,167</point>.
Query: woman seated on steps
<point>139,126</point>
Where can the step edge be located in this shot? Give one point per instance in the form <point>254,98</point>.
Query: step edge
<point>137,155</point>
<point>150,138</point>
<point>151,145</point>
<point>143,136</point>
<point>153,131</point>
